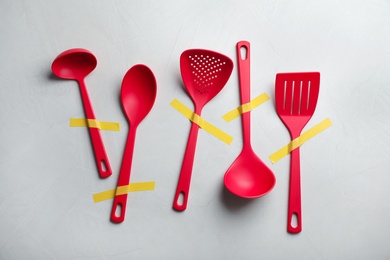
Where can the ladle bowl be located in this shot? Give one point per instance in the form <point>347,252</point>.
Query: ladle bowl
<point>248,177</point>
<point>74,64</point>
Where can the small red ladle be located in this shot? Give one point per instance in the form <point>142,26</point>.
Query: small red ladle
<point>76,64</point>
<point>138,93</point>
<point>248,176</point>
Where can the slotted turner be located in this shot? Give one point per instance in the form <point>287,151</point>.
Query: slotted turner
<point>296,97</point>
<point>204,74</point>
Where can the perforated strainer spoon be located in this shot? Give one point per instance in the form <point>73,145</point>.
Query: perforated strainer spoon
<point>204,74</point>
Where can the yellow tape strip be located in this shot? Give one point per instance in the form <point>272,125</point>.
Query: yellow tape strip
<point>257,101</point>
<point>82,122</point>
<point>109,194</point>
<point>201,122</point>
<point>300,140</point>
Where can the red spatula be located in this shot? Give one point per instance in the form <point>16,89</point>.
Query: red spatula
<point>296,97</point>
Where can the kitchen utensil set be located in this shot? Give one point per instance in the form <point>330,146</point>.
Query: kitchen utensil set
<point>204,74</point>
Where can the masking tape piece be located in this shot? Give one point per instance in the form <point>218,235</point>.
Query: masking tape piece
<point>93,123</point>
<point>110,194</point>
<point>257,101</point>
<point>201,122</point>
<point>300,140</point>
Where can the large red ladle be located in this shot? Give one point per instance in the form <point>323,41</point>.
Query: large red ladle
<point>138,93</point>
<point>76,64</point>
<point>248,176</point>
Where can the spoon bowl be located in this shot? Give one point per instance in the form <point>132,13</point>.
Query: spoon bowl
<point>76,64</point>
<point>138,93</point>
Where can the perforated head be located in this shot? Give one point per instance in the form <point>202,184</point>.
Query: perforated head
<point>204,73</point>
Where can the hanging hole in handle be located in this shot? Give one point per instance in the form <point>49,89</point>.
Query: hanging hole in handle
<point>243,52</point>
<point>103,165</point>
<point>118,210</point>
<point>180,199</point>
<point>294,220</point>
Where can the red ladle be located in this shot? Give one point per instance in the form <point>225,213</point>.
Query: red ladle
<point>76,64</point>
<point>248,176</point>
<point>138,93</point>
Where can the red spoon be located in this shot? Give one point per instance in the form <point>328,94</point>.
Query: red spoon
<point>76,64</point>
<point>138,93</point>
<point>204,74</point>
<point>248,176</point>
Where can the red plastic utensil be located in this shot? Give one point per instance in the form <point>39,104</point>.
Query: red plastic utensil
<point>296,97</point>
<point>248,176</point>
<point>138,93</point>
<point>76,64</point>
<point>204,74</point>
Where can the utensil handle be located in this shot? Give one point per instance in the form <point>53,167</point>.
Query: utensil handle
<point>294,219</point>
<point>243,57</point>
<point>118,210</point>
<point>183,185</point>
<point>104,167</point>
<point>119,205</point>
<point>102,162</point>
